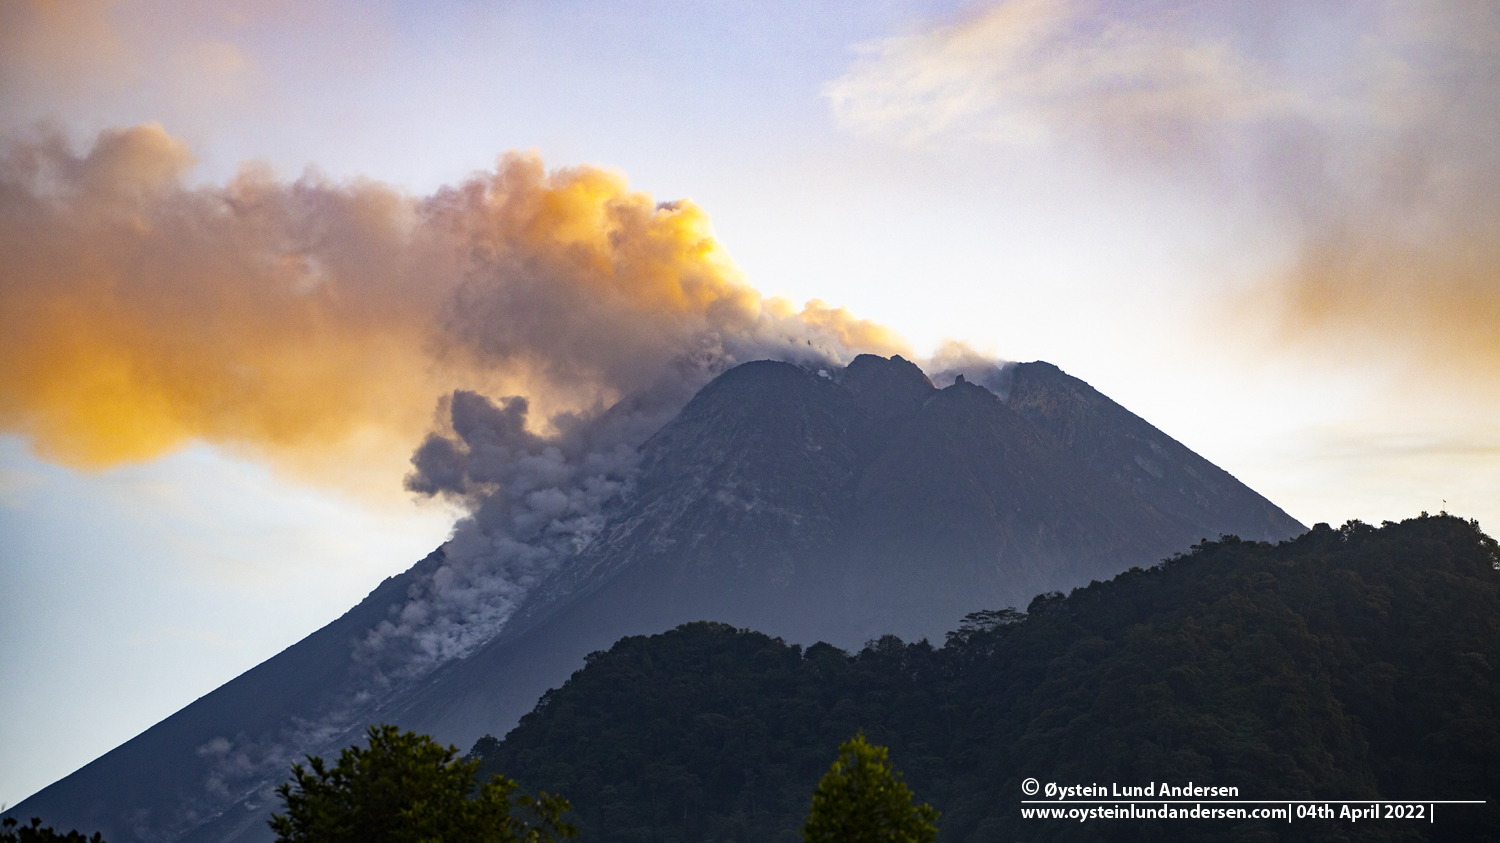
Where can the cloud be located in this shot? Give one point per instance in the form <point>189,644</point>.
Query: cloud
<point>1393,194</point>
<point>51,49</point>
<point>1039,71</point>
<point>1365,134</point>
<point>140,313</point>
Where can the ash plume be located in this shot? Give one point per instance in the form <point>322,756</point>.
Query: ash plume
<point>534,500</point>
<point>556,318</point>
<point>139,312</point>
<point>956,359</point>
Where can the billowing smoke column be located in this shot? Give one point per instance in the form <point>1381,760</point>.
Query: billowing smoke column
<point>535,499</point>
<point>623,306</point>
<point>533,502</point>
<point>138,313</point>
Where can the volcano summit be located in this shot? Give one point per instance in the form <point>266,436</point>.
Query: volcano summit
<point>812,504</point>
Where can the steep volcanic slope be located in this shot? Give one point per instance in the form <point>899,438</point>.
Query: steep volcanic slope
<point>187,769</point>
<point>866,502</point>
<point>818,503</point>
<point>828,505</point>
<point>1193,492</point>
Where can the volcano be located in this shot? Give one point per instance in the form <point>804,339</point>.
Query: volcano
<point>832,504</point>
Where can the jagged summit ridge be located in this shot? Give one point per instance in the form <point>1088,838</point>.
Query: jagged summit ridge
<point>843,507</point>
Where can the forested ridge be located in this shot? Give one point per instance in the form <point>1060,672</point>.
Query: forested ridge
<point>1350,663</point>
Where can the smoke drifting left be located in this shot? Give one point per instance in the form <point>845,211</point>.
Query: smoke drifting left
<point>138,313</point>
<point>555,319</point>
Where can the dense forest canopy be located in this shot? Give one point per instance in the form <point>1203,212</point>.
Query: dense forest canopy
<point>1349,663</point>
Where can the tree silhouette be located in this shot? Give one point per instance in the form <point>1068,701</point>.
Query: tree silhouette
<point>37,833</point>
<point>407,788</point>
<point>862,799</point>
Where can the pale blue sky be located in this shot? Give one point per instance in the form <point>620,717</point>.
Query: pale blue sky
<point>980,177</point>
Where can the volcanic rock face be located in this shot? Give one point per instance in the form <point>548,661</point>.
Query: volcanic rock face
<point>813,505</point>
<point>852,504</point>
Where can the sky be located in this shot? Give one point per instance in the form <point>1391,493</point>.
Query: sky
<point>247,249</point>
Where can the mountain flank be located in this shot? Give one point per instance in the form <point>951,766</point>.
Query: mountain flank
<point>833,504</point>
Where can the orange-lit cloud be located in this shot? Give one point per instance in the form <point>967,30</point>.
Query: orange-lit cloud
<point>55,48</point>
<point>138,313</point>
<point>1393,193</point>
<point>1365,134</point>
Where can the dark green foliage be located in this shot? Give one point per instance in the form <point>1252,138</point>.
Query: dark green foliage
<point>1349,663</point>
<point>12,832</point>
<point>861,799</point>
<point>406,788</point>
